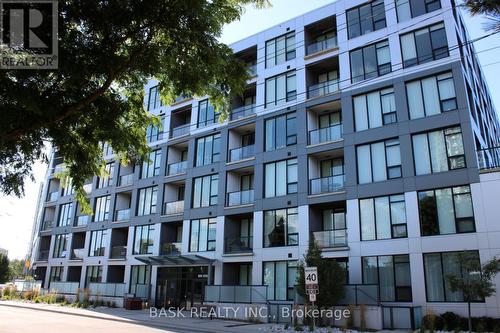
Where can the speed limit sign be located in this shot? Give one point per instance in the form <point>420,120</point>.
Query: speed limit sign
<point>311,275</point>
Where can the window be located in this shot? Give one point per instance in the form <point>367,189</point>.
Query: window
<point>407,9</point>
<point>281,227</point>
<point>366,18</point>
<point>56,273</point>
<point>245,274</point>
<point>436,267</point>
<point>65,215</point>
<point>379,161</point>
<point>143,239</point>
<point>370,61</point>
<point>446,211</point>
<point>94,275</point>
<point>438,151</point>
<point>97,243</point>
<point>202,237</point>
<point>155,133</point>
<point>334,231</point>
<point>431,42</point>
<point>280,49</point>
<point>430,96</point>
<point>67,187</point>
<point>280,178</point>
<point>374,109</point>
<point>280,278</point>
<point>151,167</point>
<point>383,217</point>
<point>281,88</point>
<point>207,150</point>
<point>154,100</point>
<point>60,244</point>
<point>106,149</point>
<point>281,131</point>
<point>206,114</point>
<point>205,191</point>
<point>140,276</point>
<point>391,274</point>
<point>102,208</point>
<point>106,179</point>
<point>147,201</point>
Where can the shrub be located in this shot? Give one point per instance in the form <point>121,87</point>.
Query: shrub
<point>432,322</point>
<point>451,321</point>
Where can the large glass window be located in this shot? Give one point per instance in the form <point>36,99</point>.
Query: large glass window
<point>140,276</point>
<point>383,217</point>
<point>374,109</point>
<point>106,179</point>
<point>280,278</point>
<point>207,150</point>
<point>65,215</point>
<point>102,208</point>
<point>379,161</point>
<point>280,131</point>
<point>143,239</point>
<point>438,151</point>
<point>97,243</point>
<point>154,100</point>
<point>281,227</point>
<point>205,191</point>
<point>202,237</point>
<point>446,211</point>
<point>151,167</point>
<point>407,9</point>
<point>94,275</point>
<point>280,178</point>
<point>391,274</point>
<point>280,49</point>
<point>56,273</point>
<point>60,244</point>
<point>206,114</point>
<point>437,266</point>
<point>147,201</point>
<point>424,45</point>
<point>366,18</point>
<point>281,88</point>
<point>370,61</point>
<point>430,96</point>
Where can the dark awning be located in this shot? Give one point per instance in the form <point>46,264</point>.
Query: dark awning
<point>176,260</point>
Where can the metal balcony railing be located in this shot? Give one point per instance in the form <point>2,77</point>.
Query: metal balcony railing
<point>173,208</point>
<point>326,184</point>
<point>126,180</point>
<point>170,248</point>
<point>180,131</point>
<point>326,134</point>
<point>242,111</point>
<point>177,168</point>
<point>118,252</point>
<point>331,238</point>
<point>238,154</point>
<point>238,244</point>
<point>322,45</point>
<point>122,214</point>
<point>323,88</point>
<point>240,198</point>
<point>488,158</point>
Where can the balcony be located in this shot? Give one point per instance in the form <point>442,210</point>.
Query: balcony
<point>68,288</point>
<point>236,294</point>
<point>170,248</point>
<point>331,238</point>
<point>122,214</point>
<point>180,131</point>
<point>47,225</point>
<point>43,255</point>
<point>81,221</point>
<point>326,184</point>
<point>327,134</point>
<point>240,198</point>
<point>323,45</point>
<point>242,112</point>
<point>323,88</point>
<point>177,168</point>
<point>77,254</point>
<point>107,289</point>
<point>242,244</point>
<point>118,252</point>
<point>252,69</point>
<point>238,154</point>
<point>173,208</point>
<point>126,180</point>
<point>489,158</point>
<point>53,196</point>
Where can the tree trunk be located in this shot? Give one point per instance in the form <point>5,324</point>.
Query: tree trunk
<point>470,318</point>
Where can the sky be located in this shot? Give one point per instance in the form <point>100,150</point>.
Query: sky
<point>17,214</point>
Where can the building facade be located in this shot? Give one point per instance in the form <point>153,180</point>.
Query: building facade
<point>366,125</point>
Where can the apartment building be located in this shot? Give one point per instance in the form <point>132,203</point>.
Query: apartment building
<point>366,125</point>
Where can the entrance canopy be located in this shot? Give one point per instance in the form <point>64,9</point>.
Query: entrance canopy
<point>176,260</point>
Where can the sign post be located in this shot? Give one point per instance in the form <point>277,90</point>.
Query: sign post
<point>312,287</point>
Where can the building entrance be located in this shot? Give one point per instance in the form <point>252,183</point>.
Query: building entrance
<point>181,286</point>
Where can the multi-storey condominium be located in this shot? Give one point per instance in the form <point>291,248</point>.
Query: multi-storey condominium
<point>367,125</point>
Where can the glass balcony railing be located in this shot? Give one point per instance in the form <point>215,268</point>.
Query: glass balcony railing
<point>488,158</point>
<point>323,45</point>
<point>77,254</point>
<point>87,188</point>
<point>118,252</point>
<point>238,154</point>
<point>177,168</point>
<point>47,225</point>
<point>323,88</point>
<point>173,208</point>
<point>43,255</point>
<point>242,111</point>
<point>81,221</point>
<point>252,69</point>
<point>326,184</point>
<point>171,248</point>
<point>238,244</point>
<point>126,180</point>
<point>107,289</point>
<point>236,294</point>
<point>240,198</point>
<point>122,214</point>
<point>331,238</point>
<point>326,134</point>
<point>180,131</point>
<point>53,196</point>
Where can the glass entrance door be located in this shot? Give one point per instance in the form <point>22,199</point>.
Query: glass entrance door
<point>181,286</point>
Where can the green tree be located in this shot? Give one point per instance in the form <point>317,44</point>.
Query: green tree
<point>331,276</point>
<point>16,268</point>
<point>490,8</point>
<point>4,268</point>
<point>107,50</point>
<point>475,281</point>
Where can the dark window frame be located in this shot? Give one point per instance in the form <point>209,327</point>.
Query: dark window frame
<point>382,69</point>
<point>371,18</point>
